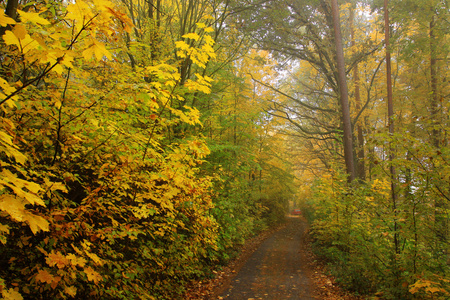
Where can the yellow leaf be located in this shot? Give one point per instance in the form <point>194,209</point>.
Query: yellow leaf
<point>13,206</point>
<point>28,43</point>
<point>4,85</point>
<point>67,59</point>
<point>76,261</point>
<point>7,146</point>
<point>192,36</point>
<point>20,31</point>
<point>11,295</point>
<point>17,185</point>
<point>58,69</point>
<point>98,49</point>
<point>6,138</point>
<point>92,275</point>
<point>36,223</point>
<point>181,45</point>
<point>80,12</point>
<point>71,290</point>
<point>32,17</point>
<point>58,186</point>
<point>97,260</point>
<point>25,44</point>
<point>433,290</point>
<point>5,20</point>
<point>10,38</point>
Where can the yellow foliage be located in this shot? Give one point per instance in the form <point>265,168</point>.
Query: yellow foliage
<point>32,17</point>
<point>428,287</point>
<point>192,36</point>
<point>19,185</point>
<point>5,20</point>
<point>93,275</point>
<point>381,186</point>
<point>97,49</point>
<point>11,294</point>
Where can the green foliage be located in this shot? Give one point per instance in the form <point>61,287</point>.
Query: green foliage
<point>355,228</point>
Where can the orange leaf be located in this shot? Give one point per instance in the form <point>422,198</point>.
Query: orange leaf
<point>57,259</point>
<point>44,276</point>
<point>92,275</point>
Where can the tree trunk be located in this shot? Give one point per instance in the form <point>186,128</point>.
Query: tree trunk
<point>360,168</point>
<point>434,86</point>
<point>343,93</point>
<point>390,105</point>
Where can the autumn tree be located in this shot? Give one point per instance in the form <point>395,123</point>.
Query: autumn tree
<point>304,31</point>
<point>89,163</point>
<point>400,210</point>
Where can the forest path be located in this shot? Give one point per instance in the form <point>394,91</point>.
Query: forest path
<point>276,270</point>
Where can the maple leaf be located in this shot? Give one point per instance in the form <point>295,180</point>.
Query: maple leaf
<point>76,261</point>
<point>192,36</point>
<point>98,50</point>
<point>13,206</point>
<point>44,276</point>
<point>36,223</point>
<point>93,275</point>
<point>57,259</point>
<point>20,31</point>
<point>5,20</point>
<point>32,17</point>
<point>10,38</point>
<point>71,290</point>
<point>127,23</point>
<point>17,185</point>
<point>25,44</point>
<point>79,11</point>
<point>6,87</point>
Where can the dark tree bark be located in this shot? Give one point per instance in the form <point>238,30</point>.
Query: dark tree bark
<point>343,93</point>
<point>390,105</point>
<point>360,168</point>
<point>434,85</point>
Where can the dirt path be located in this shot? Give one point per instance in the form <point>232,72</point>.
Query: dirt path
<point>276,270</point>
<point>275,265</point>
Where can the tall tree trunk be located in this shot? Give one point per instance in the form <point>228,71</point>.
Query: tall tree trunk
<point>434,85</point>
<point>390,115</point>
<point>360,168</point>
<point>343,93</point>
<point>391,148</point>
<point>441,219</point>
